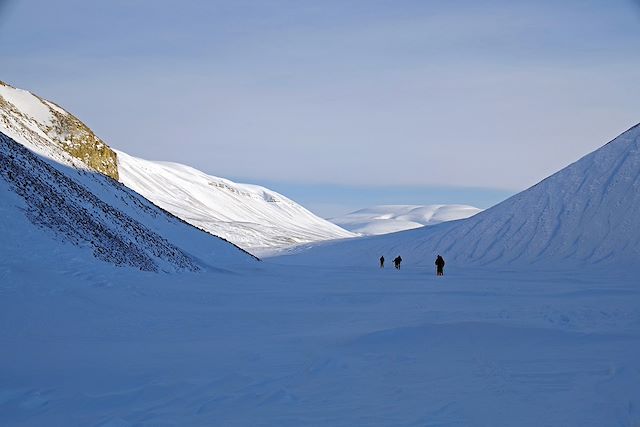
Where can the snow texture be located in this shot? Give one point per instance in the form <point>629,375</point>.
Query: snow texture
<point>224,340</point>
<point>29,104</point>
<point>391,218</point>
<point>253,217</point>
<point>587,213</point>
<point>90,345</point>
<point>66,202</point>
<point>90,210</point>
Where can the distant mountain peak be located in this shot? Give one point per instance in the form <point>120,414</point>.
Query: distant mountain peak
<point>384,219</point>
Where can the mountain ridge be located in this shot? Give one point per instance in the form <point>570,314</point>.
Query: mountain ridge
<point>383,219</point>
<point>249,216</point>
<point>254,217</point>
<point>69,203</point>
<point>57,125</point>
<point>586,213</point>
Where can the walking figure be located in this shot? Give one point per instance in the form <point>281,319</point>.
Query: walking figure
<point>440,266</point>
<point>397,261</point>
<point>382,261</point>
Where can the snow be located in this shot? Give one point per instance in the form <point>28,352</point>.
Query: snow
<point>86,209</point>
<point>535,323</point>
<point>586,214</point>
<point>385,219</point>
<point>28,104</point>
<point>289,346</point>
<point>253,217</point>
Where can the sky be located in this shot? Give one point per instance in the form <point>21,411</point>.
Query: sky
<point>345,104</point>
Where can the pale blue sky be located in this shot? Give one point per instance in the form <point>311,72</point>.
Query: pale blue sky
<point>370,101</point>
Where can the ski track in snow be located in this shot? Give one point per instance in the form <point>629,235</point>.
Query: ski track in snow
<point>285,345</point>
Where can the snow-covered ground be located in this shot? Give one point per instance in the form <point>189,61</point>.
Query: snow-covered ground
<point>385,219</point>
<point>587,213</point>
<point>536,322</point>
<point>292,346</point>
<point>253,217</point>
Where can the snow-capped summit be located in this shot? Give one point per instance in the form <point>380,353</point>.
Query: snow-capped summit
<point>587,213</point>
<point>385,219</point>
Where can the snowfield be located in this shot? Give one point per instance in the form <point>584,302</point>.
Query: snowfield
<point>385,219</point>
<point>292,346</point>
<point>116,313</point>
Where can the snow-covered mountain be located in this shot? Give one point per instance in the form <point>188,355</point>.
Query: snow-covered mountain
<point>55,206</point>
<point>391,218</point>
<point>587,213</point>
<point>249,216</point>
<point>253,217</point>
<point>32,117</point>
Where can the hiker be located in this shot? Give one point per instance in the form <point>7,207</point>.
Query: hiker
<point>382,261</point>
<point>397,261</point>
<point>439,266</point>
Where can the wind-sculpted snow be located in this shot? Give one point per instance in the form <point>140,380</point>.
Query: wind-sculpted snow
<point>391,218</point>
<point>253,217</point>
<point>91,210</point>
<point>587,213</point>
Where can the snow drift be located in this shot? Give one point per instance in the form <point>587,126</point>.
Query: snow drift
<point>587,213</point>
<point>391,218</point>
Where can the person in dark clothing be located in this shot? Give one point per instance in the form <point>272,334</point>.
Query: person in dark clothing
<point>440,266</point>
<point>382,262</point>
<point>397,261</point>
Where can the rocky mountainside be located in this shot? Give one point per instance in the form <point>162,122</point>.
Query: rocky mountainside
<point>253,217</point>
<point>31,116</point>
<point>56,207</point>
<point>586,214</point>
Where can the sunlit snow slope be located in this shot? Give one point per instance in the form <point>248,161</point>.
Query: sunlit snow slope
<point>391,218</point>
<point>250,216</point>
<point>587,213</point>
<point>55,206</point>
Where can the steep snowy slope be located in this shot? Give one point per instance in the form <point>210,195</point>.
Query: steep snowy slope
<point>250,216</point>
<point>51,194</point>
<point>587,213</point>
<point>391,218</point>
